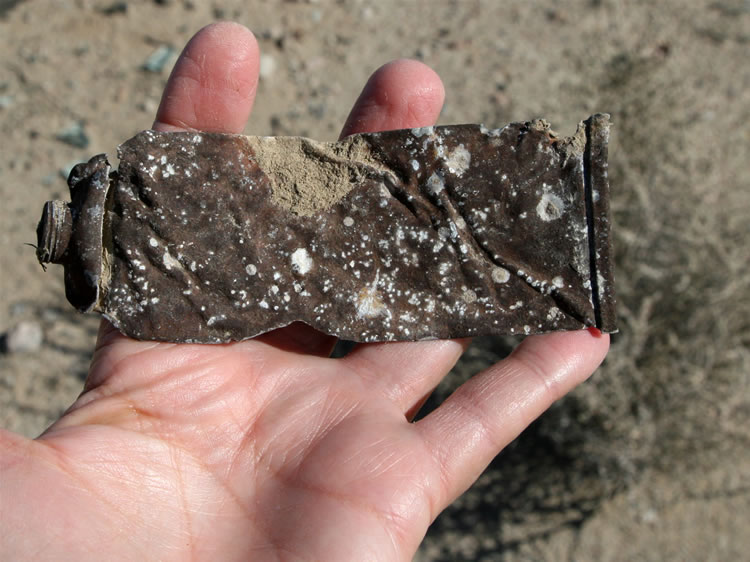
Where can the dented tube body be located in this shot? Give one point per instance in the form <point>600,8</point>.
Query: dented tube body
<point>438,232</point>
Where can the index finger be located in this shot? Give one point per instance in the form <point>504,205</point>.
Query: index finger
<point>212,86</point>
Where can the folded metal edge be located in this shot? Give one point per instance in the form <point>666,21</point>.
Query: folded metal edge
<point>596,185</point>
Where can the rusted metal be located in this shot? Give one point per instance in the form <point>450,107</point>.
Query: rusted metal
<point>438,232</point>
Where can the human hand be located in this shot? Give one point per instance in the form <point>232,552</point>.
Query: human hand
<point>268,449</point>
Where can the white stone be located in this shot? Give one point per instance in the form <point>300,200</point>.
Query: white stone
<point>24,337</point>
<point>267,66</point>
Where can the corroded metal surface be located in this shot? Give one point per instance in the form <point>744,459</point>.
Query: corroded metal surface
<point>72,234</point>
<point>437,232</point>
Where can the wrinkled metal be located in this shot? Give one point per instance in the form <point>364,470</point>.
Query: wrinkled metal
<point>442,232</point>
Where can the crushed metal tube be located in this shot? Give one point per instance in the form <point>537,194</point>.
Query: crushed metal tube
<point>437,232</point>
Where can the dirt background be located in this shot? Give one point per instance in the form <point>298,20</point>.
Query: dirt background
<point>650,460</point>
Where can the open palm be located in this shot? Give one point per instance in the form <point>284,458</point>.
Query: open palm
<point>267,449</point>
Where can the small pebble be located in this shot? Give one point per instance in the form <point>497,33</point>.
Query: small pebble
<point>19,308</point>
<point>74,135</point>
<point>24,337</point>
<point>157,60</point>
<point>50,315</point>
<point>267,66</point>
<point>148,105</point>
<point>114,8</point>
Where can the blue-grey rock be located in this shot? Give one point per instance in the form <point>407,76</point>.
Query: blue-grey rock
<point>74,135</point>
<point>158,59</point>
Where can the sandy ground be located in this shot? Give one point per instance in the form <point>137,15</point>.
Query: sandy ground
<point>650,459</point>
